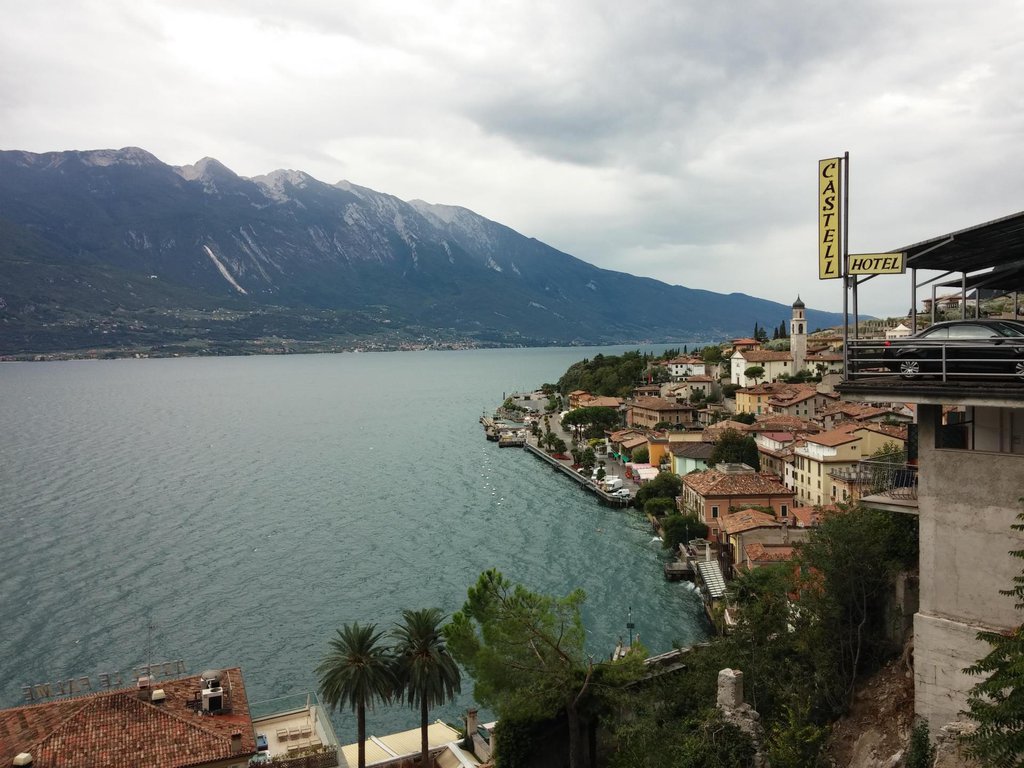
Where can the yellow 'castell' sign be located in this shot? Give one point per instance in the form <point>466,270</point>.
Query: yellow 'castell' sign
<point>828,219</point>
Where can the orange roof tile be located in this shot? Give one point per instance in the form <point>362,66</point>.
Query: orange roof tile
<point>772,553</point>
<point>713,482</point>
<point>116,729</point>
<point>747,520</point>
<point>833,438</point>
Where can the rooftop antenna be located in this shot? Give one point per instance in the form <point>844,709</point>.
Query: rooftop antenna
<point>630,625</point>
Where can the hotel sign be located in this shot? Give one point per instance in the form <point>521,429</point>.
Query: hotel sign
<point>878,263</point>
<point>829,255</point>
<point>106,681</point>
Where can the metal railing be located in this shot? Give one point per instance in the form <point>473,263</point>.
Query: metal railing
<point>944,360</point>
<point>878,477</point>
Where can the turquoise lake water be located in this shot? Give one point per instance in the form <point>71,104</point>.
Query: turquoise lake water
<point>235,511</point>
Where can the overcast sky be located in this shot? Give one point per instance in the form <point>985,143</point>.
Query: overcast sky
<point>673,139</point>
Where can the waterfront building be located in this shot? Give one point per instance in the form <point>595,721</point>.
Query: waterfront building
<point>713,493</point>
<point>196,720</point>
<point>752,538</point>
<point>647,412</point>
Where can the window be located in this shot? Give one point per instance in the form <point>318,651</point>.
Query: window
<point>784,511</point>
<point>714,512</point>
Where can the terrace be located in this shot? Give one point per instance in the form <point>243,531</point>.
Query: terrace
<point>882,484</point>
<point>296,727</point>
<point>986,257</point>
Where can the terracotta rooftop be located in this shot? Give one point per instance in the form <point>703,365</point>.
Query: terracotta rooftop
<point>766,356</point>
<point>116,729</point>
<point>713,482</point>
<point>779,437</point>
<point>806,517</point>
<point>713,431</point>
<point>833,438</point>
<point>633,442</point>
<point>774,553</point>
<point>624,434</point>
<point>781,422</point>
<point>793,395</point>
<point>692,450</point>
<point>600,401</point>
<point>747,520</point>
<point>657,404</point>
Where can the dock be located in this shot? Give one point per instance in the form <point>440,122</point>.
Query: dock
<point>678,570</point>
<point>587,484</point>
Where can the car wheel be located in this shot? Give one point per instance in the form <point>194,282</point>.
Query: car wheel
<point>1018,369</point>
<point>910,369</point>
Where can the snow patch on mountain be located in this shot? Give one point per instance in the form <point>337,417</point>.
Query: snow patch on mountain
<point>492,264</point>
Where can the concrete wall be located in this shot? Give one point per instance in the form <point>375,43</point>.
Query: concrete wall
<point>967,502</point>
<point>942,650</point>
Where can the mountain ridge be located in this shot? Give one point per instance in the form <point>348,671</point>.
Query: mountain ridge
<point>365,264</point>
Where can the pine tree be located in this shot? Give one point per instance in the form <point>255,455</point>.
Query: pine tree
<point>997,703</point>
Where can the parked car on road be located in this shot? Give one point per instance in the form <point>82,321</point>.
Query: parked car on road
<point>960,348</point>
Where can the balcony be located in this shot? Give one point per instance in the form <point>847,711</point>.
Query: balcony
<point>882,484</point>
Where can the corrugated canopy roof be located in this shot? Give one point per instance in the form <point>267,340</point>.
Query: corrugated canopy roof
<point>997,244</point>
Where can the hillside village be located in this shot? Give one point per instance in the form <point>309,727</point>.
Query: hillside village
<point>933,449</point>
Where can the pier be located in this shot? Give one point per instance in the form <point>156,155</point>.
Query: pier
<point>588,485</point>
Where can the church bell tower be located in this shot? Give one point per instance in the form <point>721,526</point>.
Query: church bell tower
<point>798,336</point>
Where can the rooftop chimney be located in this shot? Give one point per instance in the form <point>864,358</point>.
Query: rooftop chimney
<point>236,741</point>
<point>23,758</point>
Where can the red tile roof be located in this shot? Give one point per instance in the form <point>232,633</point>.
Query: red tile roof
<point>657,404</point>
<point>747,520</point>
<point>833,438</point>
<point>774,553</point>
<point>116,729</point>
<point>712,482</point>
<point>766,356</point>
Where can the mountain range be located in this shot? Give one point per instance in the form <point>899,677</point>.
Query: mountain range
<point>115,250</point>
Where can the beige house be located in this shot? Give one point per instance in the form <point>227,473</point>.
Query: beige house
<point>814,461</point>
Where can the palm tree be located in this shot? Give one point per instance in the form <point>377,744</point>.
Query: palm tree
<point>357,671</point>
<point>426,673</point>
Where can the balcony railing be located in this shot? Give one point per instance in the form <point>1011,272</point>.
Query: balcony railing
<point>878,477</point>
<point>943,360</point>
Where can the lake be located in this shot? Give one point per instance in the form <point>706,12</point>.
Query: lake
<point>236,511</point>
